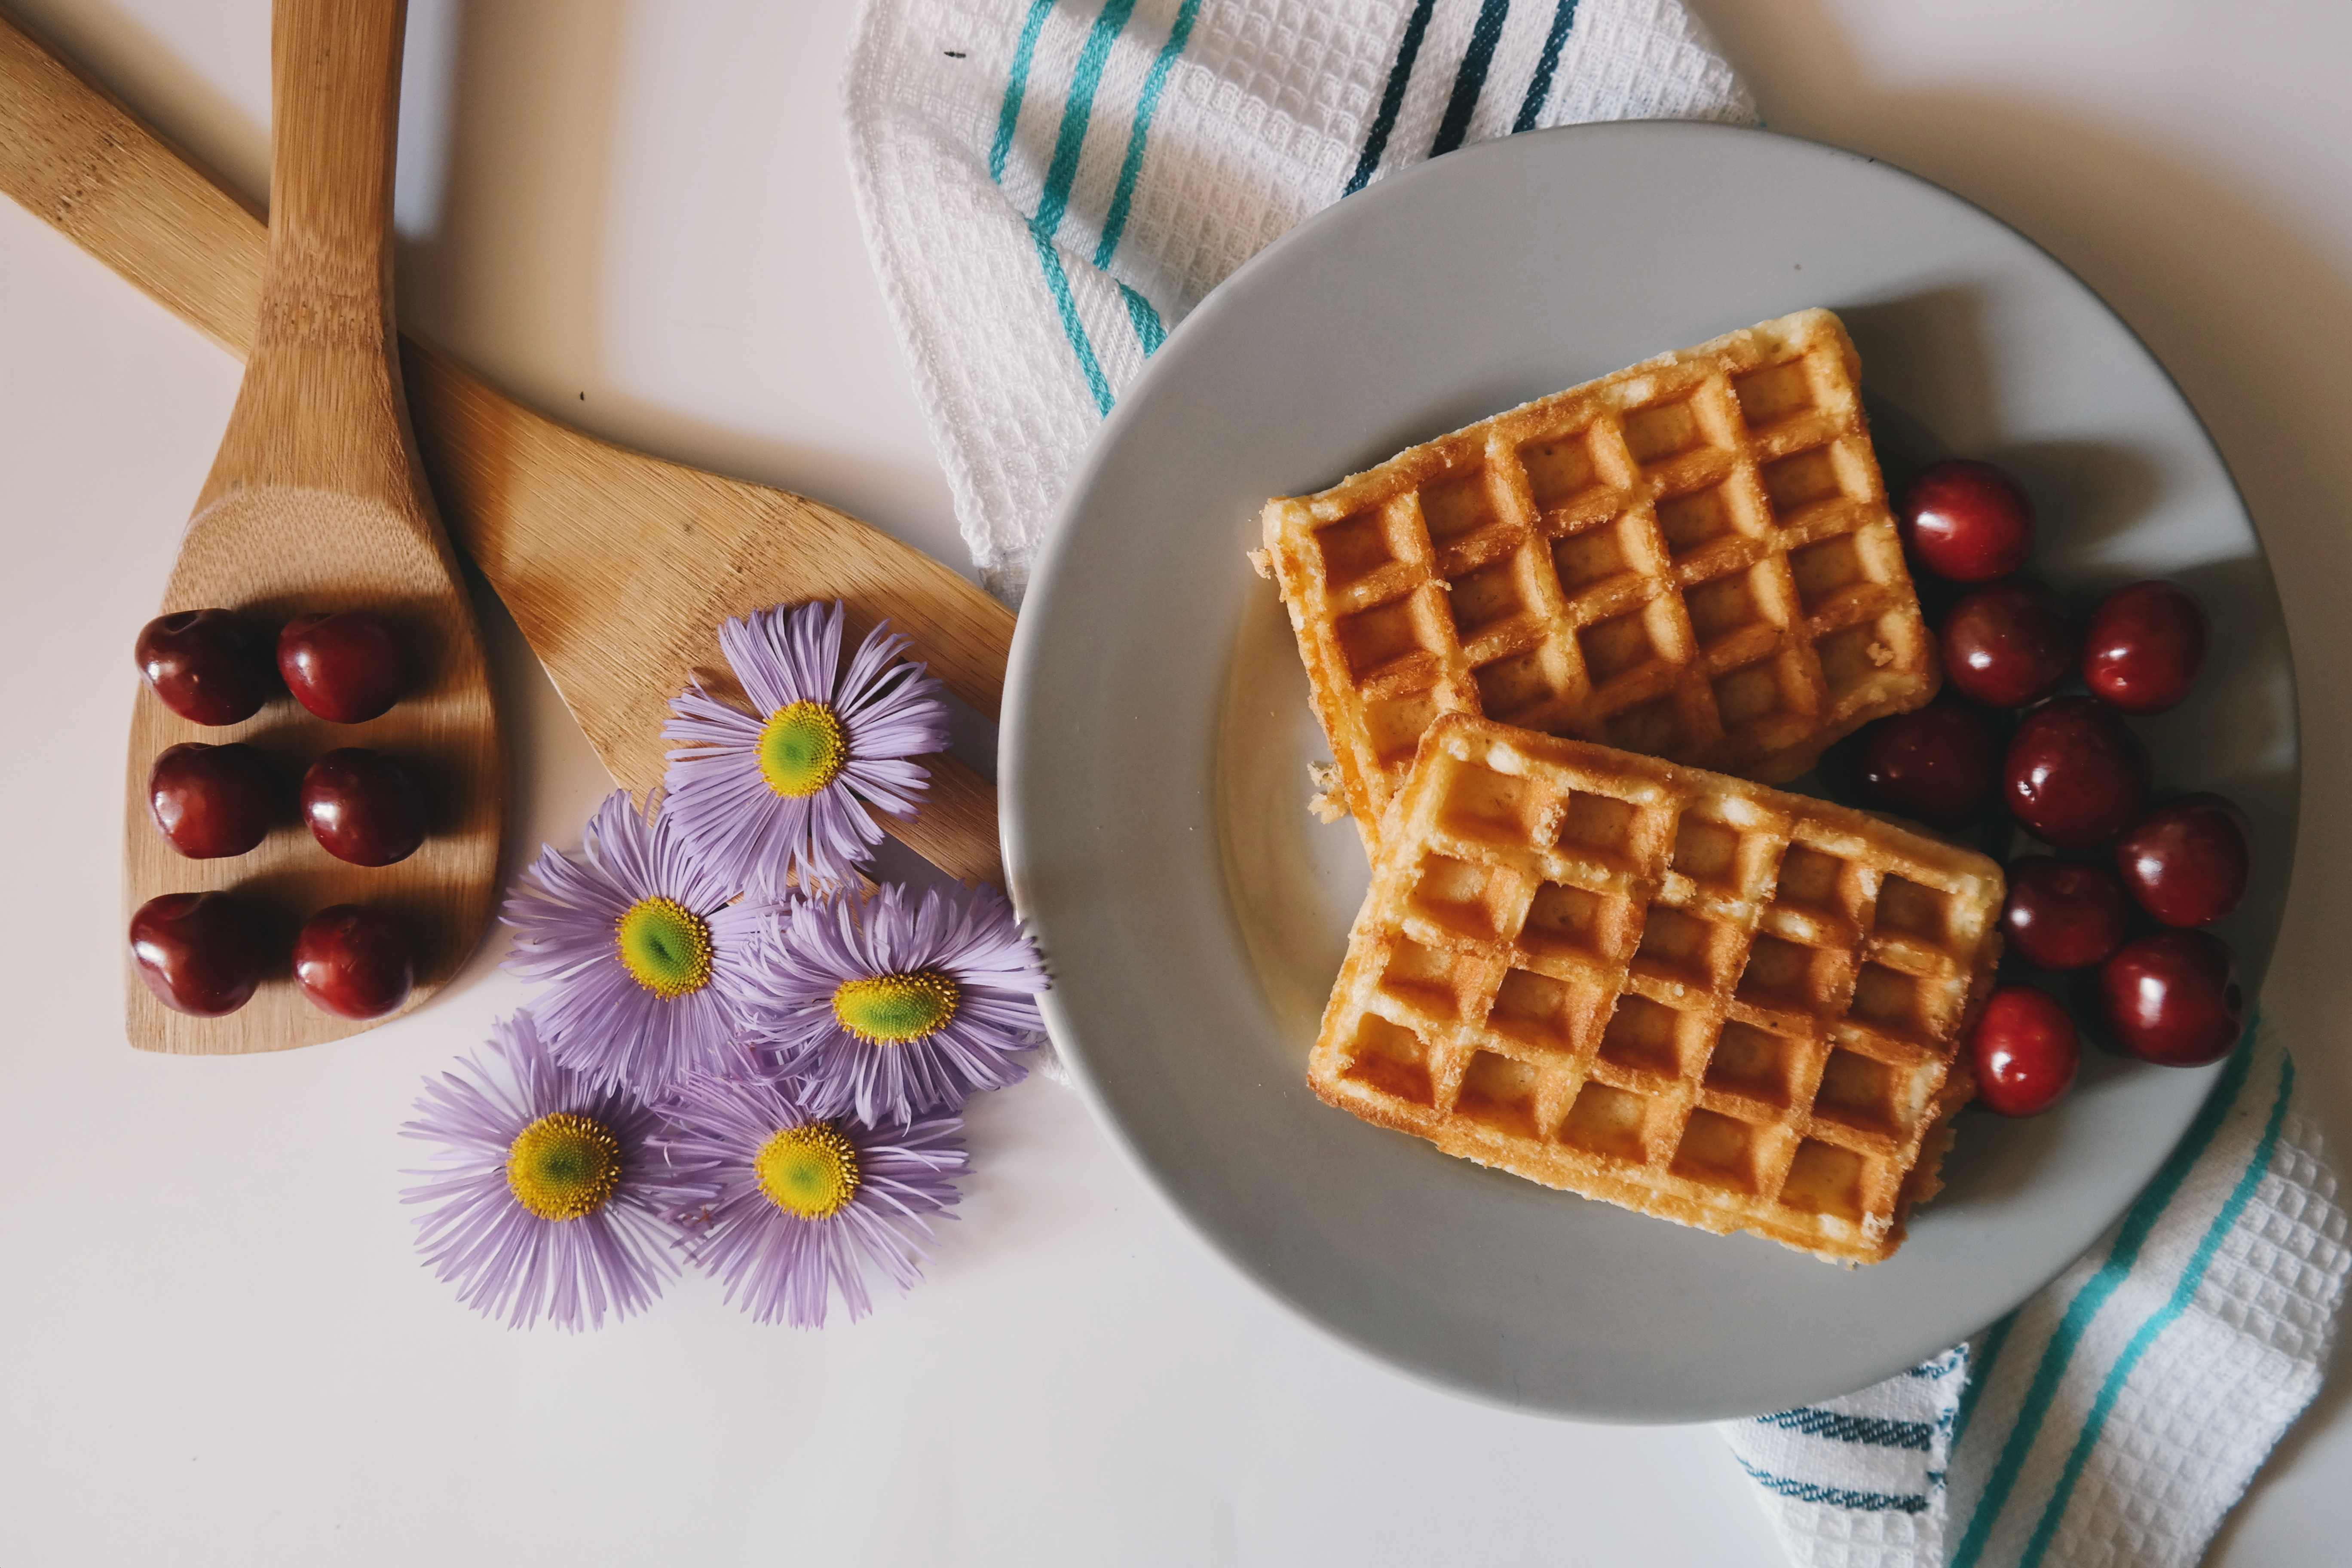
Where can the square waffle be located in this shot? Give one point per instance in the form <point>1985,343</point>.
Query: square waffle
<point>1691,559</point>
<point>1682,993</point>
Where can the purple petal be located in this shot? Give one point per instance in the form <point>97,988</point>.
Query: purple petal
<point>507,1260</point>
<point>816,944</point>
<point>724,806</point>
<point>598,1020</point>
<point>786,1267</point>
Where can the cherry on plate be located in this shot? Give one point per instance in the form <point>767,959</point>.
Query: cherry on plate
<point>2006,643</point>
<point>1938,763</point>
<point>207,666</point>
<point>2062,915</point>
<point>210,801</point>
<point>1967,521</point>
<point>2024,1050</point>
<point>2174,998</point>
<point>2075,775</point>
<point>2187,863</point>
<point>2144,646</point>
<point>354,960</point>
<point>344,667</point>
<point>363,806</point>
<point>201,953</point>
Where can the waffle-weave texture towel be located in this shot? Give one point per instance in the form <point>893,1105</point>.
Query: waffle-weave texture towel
<point>1048,186</point>
<point>2114,1418</point>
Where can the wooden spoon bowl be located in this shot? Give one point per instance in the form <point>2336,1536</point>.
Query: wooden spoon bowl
<point>317,503</point>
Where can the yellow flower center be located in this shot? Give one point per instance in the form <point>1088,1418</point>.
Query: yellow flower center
<point>803,749</point>
<point>810,1171</point>
<point>563,1166</point>
<point>891,1009</point>
<point>666,946</point>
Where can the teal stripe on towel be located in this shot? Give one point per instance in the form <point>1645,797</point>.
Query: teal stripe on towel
<point>1131,168</point>
<point>1148,331</point>
<point>2138,1223</point>
<point>1069,142</point>
<point>1384,119</point>
<point>1837,1496</point>
<point>1077,113</point>
<point>1470,77</point>
<point>1539,85</point>
<point>1058,282</point>
<point>1876,1431</point>
<point>1016,85</point>
<point>2149,1331</point>
<point>1979,1372</point>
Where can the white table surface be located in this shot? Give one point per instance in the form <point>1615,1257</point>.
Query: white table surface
<point>216,1343</point>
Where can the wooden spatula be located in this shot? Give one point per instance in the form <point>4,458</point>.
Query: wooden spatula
<point>559,523</point>
<point>317,502</point>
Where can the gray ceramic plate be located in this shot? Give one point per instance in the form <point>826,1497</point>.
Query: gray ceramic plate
<point>1157,736</point>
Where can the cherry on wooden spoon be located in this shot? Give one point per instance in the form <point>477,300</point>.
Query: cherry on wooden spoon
<point>316,504</point>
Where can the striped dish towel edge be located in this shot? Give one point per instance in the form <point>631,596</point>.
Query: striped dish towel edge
<point>1048,186</point>
<point>2116,1416</point>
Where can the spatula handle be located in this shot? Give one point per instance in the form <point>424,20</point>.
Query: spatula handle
<point>77,157</point>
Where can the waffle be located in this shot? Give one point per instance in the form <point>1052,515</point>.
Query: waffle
<point>1691,559</point>
<point>1682,993</point>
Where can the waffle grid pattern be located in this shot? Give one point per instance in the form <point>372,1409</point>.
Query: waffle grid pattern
<point>1679,991</point>
<point>1692,559</point>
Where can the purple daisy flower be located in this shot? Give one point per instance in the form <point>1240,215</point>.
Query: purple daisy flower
<point>650,970</point>
<point>771,797</point>
<point>547,1201</point>
<point>890,1013</point>
<point>806,1202</point>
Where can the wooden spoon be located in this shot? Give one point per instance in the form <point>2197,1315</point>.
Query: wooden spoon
<point>558,520</point>
<point>317,502</point>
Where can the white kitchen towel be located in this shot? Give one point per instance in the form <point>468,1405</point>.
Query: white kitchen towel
<point>2114,1418</point>
<point>1860,1479</point>
<point>1048,186</point>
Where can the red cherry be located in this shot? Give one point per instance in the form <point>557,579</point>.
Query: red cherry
<point>201,953</point>
<point>210,801</point>
<point>354,961</point>
<point>2061,915</point>
<point>346,669</point>
<point>2024,1050</point>
<point>2174,998</point>
<point>1967,521</point>
<point>1938,763</point>
<point>2008,644</point>
<point>2144,646</point>
<point>363,806</point>
<point>206,665</point>
<point>2075,775</point>
<point>2187,863</point>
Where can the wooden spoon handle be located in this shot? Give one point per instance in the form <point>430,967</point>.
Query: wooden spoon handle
<point>334,98</point>
<point>320,406</point>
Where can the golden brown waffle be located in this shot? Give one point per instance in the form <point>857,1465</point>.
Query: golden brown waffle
<point>1691,559</point>
<point>1683,993</point>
